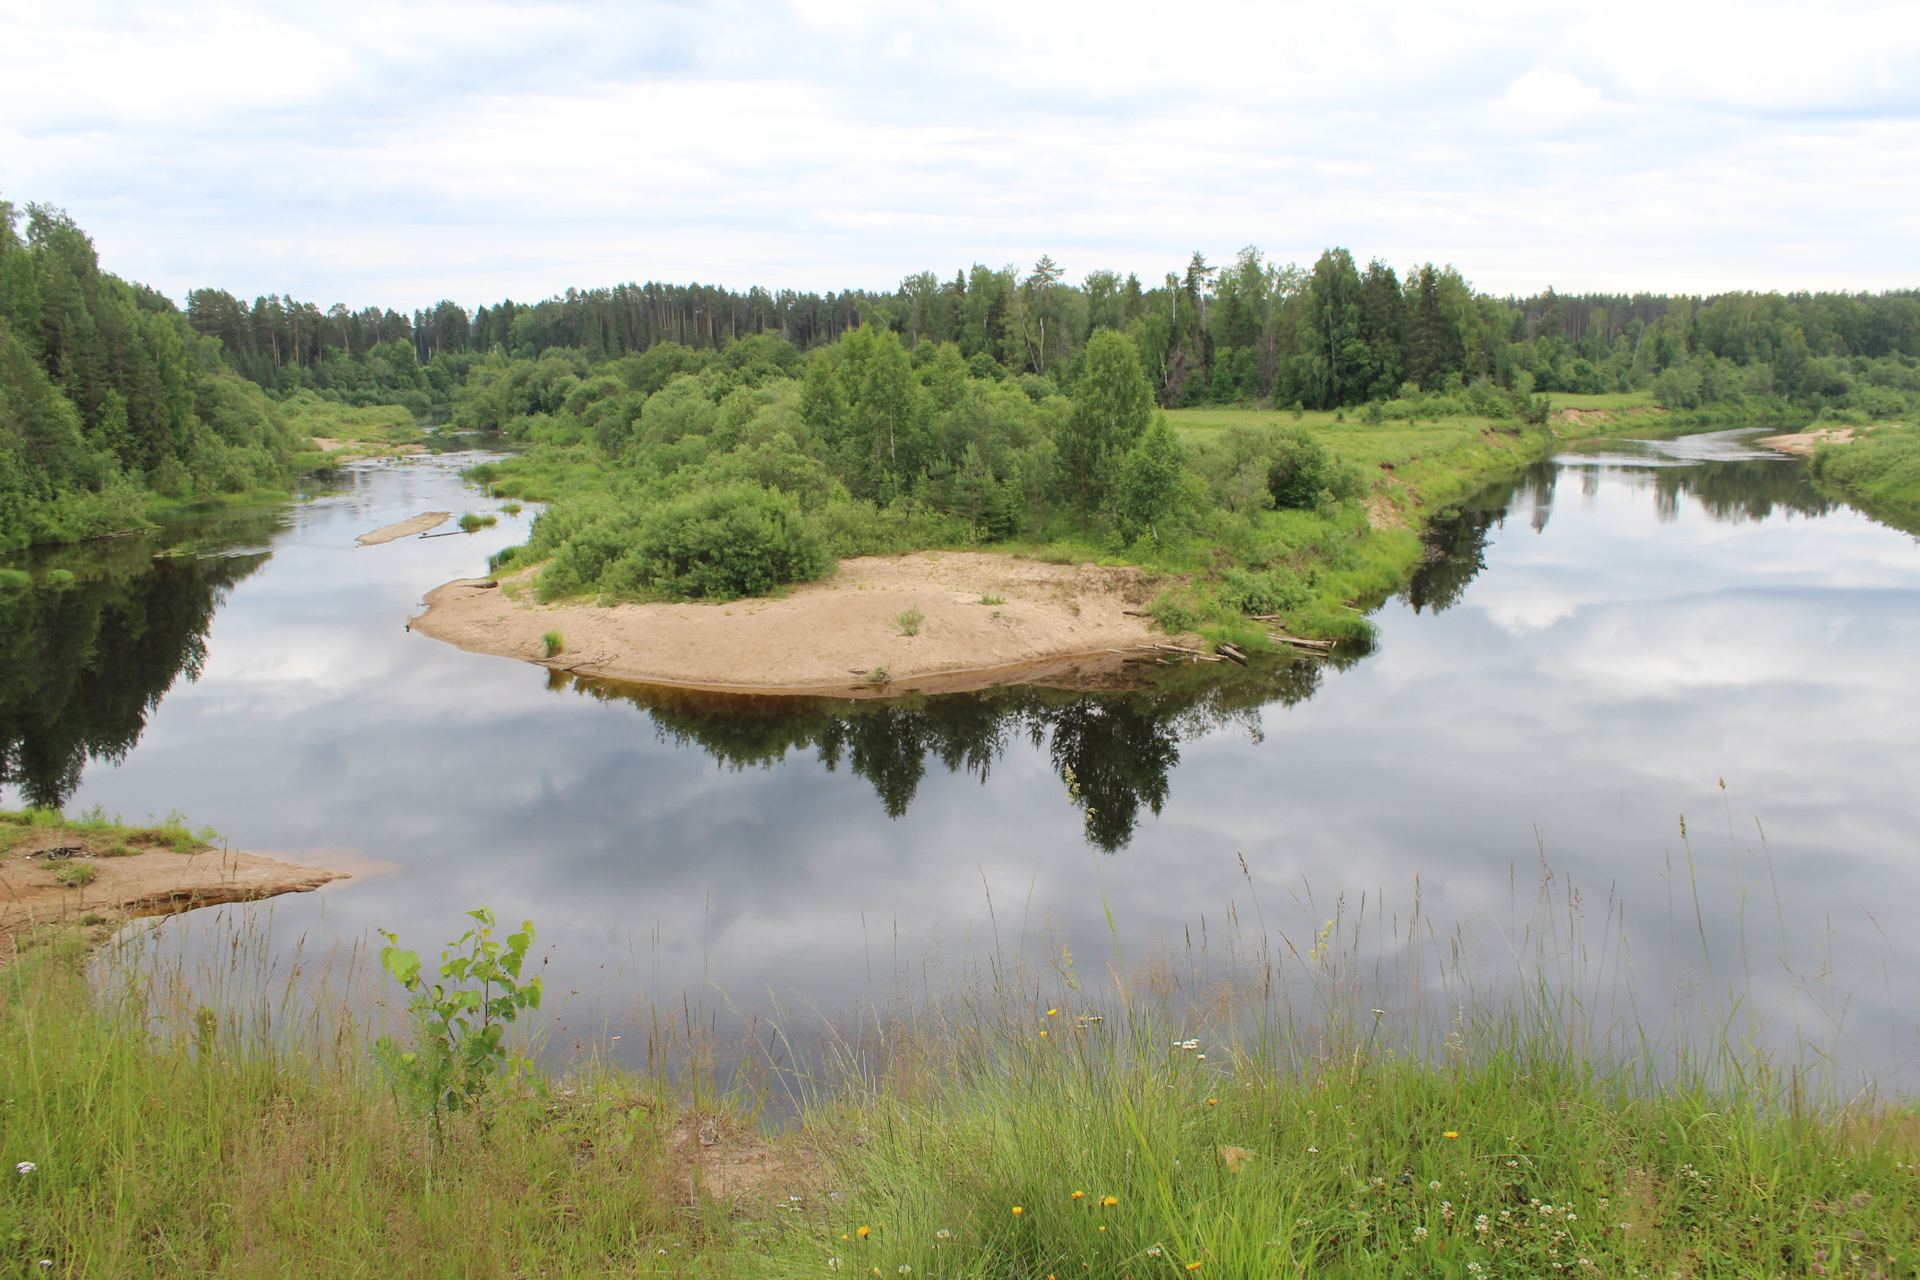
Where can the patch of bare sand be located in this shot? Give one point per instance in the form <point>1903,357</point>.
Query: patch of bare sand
<point>988,619</point>
<point>153,881</point>
<point>405,529</point>
<point>1805,442</point>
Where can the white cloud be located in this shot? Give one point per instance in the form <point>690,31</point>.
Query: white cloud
<point>360,152</point>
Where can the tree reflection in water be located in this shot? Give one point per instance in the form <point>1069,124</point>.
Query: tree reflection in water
<point>88,650</point>
<point>1114,750</point>
<point>1729,492</point>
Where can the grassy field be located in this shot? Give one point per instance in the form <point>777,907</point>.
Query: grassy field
<point>1323,1107</point>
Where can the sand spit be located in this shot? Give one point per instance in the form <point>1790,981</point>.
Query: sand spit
<point>1805,442</point>
<point>405,529</point>
<point>987,619</point>
<point>155,881</point>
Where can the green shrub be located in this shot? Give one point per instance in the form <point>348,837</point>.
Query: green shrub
<point>556,643</point>
<point>1302,469</point>
<point>909,620</point>
<point>1173,613</point>
<point>1272,591</point>
<point>473,523</point>
<point>741,540</point>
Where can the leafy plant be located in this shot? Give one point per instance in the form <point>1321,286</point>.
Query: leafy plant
<point>909,620</point>
<point>461,1020</point>
<point>556,643</point>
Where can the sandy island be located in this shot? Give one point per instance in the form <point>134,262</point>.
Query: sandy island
<point>149,881</point>
<point>989,619</point>
<point>405,529</point>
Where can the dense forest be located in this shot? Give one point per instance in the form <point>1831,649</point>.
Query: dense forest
<point>108,398</point>
<point>1249,333</point>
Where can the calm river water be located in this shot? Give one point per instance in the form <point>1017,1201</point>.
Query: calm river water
<point>1598,646</point>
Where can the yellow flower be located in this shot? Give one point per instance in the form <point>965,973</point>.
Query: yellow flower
<point>1213,1102</point>
<point>1193,1266</point>
<point>1050,1013</point>
<point>1103,1228</point>
<point>1043,1035</point>
<point>1017,1211</point>
<point>864,1232</point>
<point>1107,1202</point>
<point>1079,1195</point>
<point>1450,1134</point>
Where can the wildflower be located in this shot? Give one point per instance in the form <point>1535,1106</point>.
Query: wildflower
<point>1213,1102</point>
<point>1419,1233</point>
<point>1153,1251</point>
<point>1451,1133</point>
<point>1433,1186</point>
<point>833,1264</point>
<point>1052,1012</point>
<point>905,1270</point>
<point>943,1234</point>
<point>1313,1151</point>
<point>1200,1057</point>
<point>25,1167</point>
<point>1079,1195</point>
<point>1043,1035</point>
<point>864,1232</point>
<point>1017,1211</point>
<point>1107,1202</point>
<point>1193,1266</point>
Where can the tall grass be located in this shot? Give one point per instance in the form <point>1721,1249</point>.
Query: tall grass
<point>1365,1095</point>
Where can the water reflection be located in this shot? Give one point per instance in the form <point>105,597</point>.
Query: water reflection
<point>88,650</point>
<point>1114,751</point>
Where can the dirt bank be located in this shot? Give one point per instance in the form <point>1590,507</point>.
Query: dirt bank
<point>147,881</point>
<point>987,619</point>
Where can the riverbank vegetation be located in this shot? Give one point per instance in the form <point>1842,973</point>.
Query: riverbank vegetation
<point>1879,470</point>
<point>110,403</point>
<point>1303,1107</point>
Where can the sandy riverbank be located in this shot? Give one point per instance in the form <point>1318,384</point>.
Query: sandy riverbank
<point>1805,442</point>
<point>148,881</point>
<point>988,619</point>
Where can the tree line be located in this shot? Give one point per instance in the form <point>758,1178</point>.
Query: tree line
<point>1249,332</point>
<point>109,397</point>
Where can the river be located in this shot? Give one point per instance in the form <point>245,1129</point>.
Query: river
<point>1629,633</point>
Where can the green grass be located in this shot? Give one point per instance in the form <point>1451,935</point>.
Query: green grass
<point>556,644</point>
<point>1878,471</point>
<point>909,620</point>
<point>1245,1115</point>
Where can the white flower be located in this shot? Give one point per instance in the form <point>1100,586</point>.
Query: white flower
<point>905,1270</point>
<point>833,1264</point>
<point>1154,1252</point>
<point>943,1234</point>
<point>1433,1186</point>
<point>1313,1151</point>
<point>25,1167</point>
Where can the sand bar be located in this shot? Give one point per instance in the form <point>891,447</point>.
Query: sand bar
<point>988,619</point>
<point>1805,442</point>
<point>153,881</point>
<point>405,529</point>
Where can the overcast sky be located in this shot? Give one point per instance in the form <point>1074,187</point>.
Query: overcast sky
<point>400,153</point>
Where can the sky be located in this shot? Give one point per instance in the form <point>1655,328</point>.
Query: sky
<point>397,153</point>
